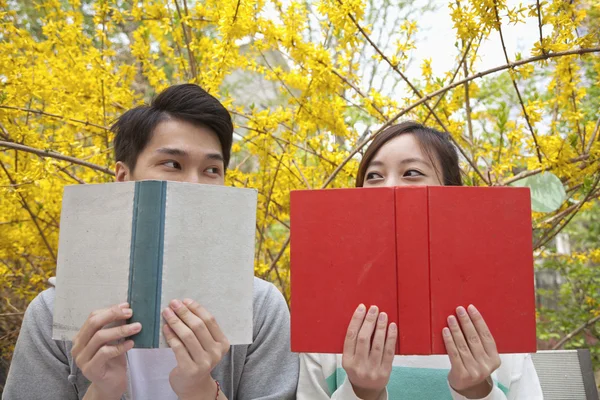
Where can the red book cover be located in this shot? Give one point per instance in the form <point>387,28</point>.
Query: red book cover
<point>417,253</point>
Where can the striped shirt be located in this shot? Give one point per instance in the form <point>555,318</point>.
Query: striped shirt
<point>416,378</point>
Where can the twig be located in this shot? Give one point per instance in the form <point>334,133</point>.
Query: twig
<point>591,142</point>
<point>58,156</point>
<point>525,174</point>
<point>187,42</point>
<point>539,15</point>
<point>514,82</point>
<point>575,332</point>
<point>11,314</point>
<point>29,110</point>
<point>301,174</point>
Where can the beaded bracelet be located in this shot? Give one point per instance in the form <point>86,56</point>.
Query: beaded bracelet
<point>218,390</point>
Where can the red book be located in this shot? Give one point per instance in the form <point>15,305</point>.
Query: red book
<point>417,253</point>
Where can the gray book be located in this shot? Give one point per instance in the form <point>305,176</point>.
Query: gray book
<point>149,242</point>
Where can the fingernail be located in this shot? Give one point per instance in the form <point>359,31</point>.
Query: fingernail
<point>382,317</point>
<point>361,308</point>
<point>175,304</point>
<point>452,320</point>
<point>123,305</point>
<point>373,310</point>
<point>187,302</point>
<point>446,332</point>
<point>127,311</point>
<point>168,313</point>
<point>136,326</point>
<point>392,327</point>
<point>461,311</point>
<point>472,309</point>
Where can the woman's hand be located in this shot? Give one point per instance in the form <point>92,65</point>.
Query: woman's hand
<point>369,365</point>
<point>472,351</point>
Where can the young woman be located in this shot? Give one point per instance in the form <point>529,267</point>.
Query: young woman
<point>412,154</point>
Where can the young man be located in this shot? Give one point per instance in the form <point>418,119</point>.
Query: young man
<point>184,135</point>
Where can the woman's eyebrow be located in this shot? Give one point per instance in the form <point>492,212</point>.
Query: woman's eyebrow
<point>377,163</point>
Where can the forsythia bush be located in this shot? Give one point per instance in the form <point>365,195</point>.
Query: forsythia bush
<point>308,85</point>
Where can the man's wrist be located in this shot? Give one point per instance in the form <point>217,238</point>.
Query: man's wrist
<point>94,393</point>
<point>207,390</point>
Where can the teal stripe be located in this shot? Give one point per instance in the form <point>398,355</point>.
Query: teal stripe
<point>145,265</point>
<point>410,383</point>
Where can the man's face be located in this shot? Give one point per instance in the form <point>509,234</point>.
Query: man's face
<point>178,151</point>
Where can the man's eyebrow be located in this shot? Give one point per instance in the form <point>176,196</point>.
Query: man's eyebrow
<point>215,156</point>
<point>172,151</point>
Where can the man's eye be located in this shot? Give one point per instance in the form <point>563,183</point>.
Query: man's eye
<point>172,164</point>
<point>373,175</point>
<point>213,170</point>
<point>413,173</point>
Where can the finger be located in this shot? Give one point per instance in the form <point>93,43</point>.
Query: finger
<point>209,320</point>
<point>184,334</point>
<point>96,321</point>
<point>471,334</point>
<point>461,344</point>
<point>195,323</point>
<point>104,337</point>
<point>363,343</point>
<point>452,351</point>
<point>182,355</point>
<point>489,344</point>
<point>376,355</point>
<point>390,346</point>
<point>352,332</point>
<point>103,355</point>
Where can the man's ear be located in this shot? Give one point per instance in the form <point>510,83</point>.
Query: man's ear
<point>122,172</point>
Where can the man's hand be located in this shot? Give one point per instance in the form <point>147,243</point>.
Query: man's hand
<point>198,344</point>
<point>100,361</point>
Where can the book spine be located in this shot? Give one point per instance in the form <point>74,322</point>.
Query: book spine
<point>145,263</point>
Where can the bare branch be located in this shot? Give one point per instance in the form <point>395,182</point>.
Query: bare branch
<point>525,174</point>
<point>29,110</point>
<point>451,86</point>
<point>58,156</point>
<point>575,332</point>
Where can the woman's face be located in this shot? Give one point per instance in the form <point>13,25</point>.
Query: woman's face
<point>401,162</point>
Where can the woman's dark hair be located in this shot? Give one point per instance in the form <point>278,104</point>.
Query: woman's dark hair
<point>435,144</point>
<point>187,102</point>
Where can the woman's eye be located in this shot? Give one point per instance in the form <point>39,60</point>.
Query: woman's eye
<point>172,164</point>
<point>373,175</point>
<point>413,173</point>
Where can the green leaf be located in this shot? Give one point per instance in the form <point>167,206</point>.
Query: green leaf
<point>547,191</point>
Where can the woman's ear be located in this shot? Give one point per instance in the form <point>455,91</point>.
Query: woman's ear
<point>122,172</point>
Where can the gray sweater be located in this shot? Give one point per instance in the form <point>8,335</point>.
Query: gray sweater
<point>43,368</point>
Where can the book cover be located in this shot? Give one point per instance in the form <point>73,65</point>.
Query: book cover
<point>149,242</point>
<point>417,253</point>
